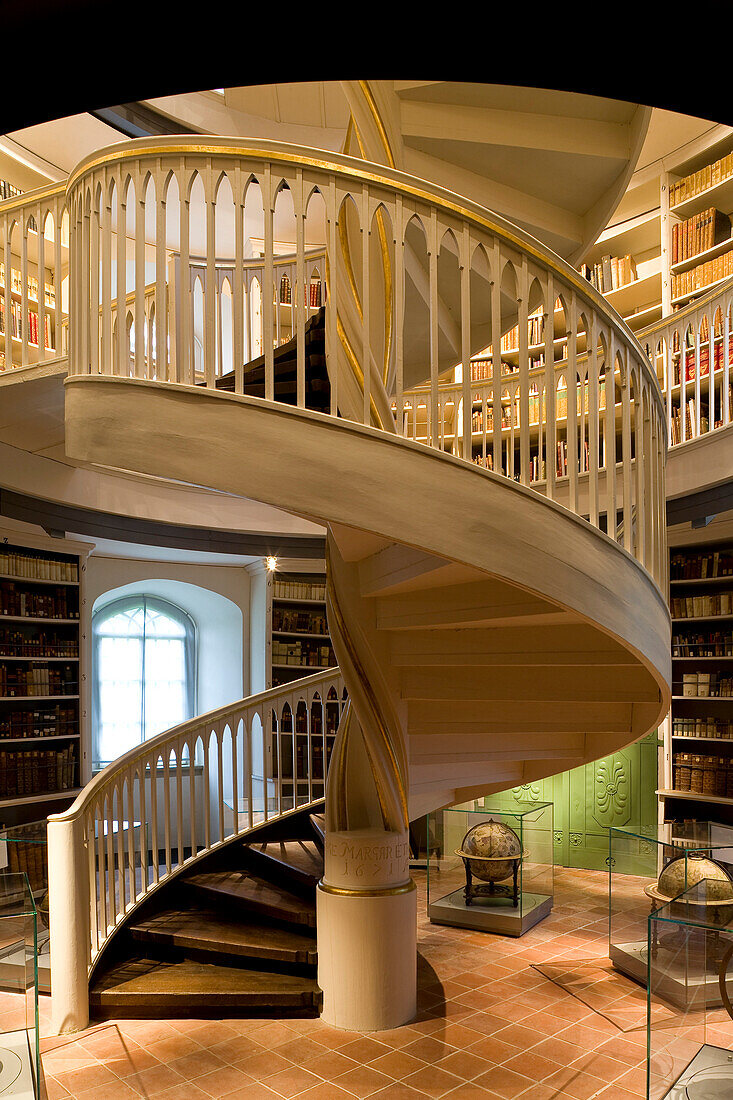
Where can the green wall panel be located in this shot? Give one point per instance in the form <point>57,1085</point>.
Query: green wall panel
<point>618,790</point>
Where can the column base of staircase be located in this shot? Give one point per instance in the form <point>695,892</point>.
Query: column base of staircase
<point>367,958</point>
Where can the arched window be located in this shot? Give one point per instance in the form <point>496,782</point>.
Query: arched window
<point>144,676</point>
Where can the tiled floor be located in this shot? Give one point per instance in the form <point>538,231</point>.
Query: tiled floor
<point>489,1025</point>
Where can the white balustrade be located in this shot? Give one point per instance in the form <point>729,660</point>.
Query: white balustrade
<point>692,353</point>
<point>166,803</point>
<point>34,285</point>
<point>433,278</point>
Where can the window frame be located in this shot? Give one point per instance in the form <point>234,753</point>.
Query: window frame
<point>143,601</point>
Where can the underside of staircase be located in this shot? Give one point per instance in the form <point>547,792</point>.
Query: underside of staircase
<point>233,935</point>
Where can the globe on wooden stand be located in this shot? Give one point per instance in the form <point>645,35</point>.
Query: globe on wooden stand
<point>491,852</point>
<point>681,875</point>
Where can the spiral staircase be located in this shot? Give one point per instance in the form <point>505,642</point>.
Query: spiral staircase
<point>492,627</point>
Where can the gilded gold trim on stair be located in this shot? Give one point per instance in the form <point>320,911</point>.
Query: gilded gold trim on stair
<point>371,103</point>
<point>346,253</point>
<point>358,372</point>
<point>379,722</point>
<point>387,892</point>
<point>30,198</point>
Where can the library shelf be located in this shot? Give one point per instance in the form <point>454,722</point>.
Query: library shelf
<point>695,796</point>
<point>70,792</point>
<point>26,740</point>
<point>295,634</point>
<point>703,698</point>
<point>704,619</point>
<point>298,599</point>
<point>9,657</point>
<point>33,619</point>
<point>704,580</point>
<point>701,257</point>
<point>35,698</point>
<point>623,298</point>
<point>719,196</point>
<point>37,580</point>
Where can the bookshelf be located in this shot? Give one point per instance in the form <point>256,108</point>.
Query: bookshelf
<point>299,645</point>
<point>699,740</point>
<point>23,309</point>
<point>42,650</point>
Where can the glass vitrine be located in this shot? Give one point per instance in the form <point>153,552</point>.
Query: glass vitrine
<point>681,853</point>
<point>491,869</point>
<point>19,1052</point>
<point>690,1044</point>
<point>24,848</point>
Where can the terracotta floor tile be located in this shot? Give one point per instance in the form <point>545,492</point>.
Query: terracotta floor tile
<point>397,1064</point>
<point>432,1081</point>
<point>465,1064</point>
<point>362,1081</point>
<point>263,1065</point>
<point>199,1062</point>
<point>330,1064</point>
<point>364,1050</point>
<point>504,1082</point>
<point>292,1082</point>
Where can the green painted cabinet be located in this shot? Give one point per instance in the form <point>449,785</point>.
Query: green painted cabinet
<point>618,790</point>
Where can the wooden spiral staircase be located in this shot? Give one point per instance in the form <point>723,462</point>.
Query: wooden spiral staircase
<point>234,935</point>
<point>487,635</point>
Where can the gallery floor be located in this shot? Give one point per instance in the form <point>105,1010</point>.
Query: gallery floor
<point>489,1025</point>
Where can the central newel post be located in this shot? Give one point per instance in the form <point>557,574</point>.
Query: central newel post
<point>366,901</point>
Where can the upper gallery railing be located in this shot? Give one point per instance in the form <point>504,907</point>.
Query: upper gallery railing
<point>169,801</point>
<point>419,279</point>
<point>698,393</point>
<point>34,258</point>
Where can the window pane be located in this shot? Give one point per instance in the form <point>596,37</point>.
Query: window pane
<point>120,696</point>
<point>165,684</point>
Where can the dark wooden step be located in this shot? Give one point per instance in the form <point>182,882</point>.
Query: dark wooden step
<point>298,861</point>
<point>148,986</point>
<point>205,930</point>
<point>318,825</point>
<point>247,892</point>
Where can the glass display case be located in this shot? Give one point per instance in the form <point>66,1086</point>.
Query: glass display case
<point>682,853</point>
<point>19,1050</point>
<point>491,869</point>
<point>690,1045</point>
<point>24,848</point>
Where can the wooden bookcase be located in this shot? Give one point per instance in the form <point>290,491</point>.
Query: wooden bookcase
<point>42,655</point>
<point>698,765</point>
<point>298,644</point>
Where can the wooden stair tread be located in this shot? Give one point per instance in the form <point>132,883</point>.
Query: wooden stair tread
<point>302,858</point>
<point>318,824</point>
<point>207,930</point>
<point>140,980</point>
<point>260,897</point>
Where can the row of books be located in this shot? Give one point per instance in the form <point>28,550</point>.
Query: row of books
<point>704,354</point>
<point>42,722</point>
<point>312,298</point>
<point>702,774</point>
<point>483,368</point>
<point>703,275</point>
<point>298,590</point>
<point>16,324</point>
<point>302,654</point>
<point>32,857</point>
<point>706,683</point>
<point>16,643</point>
<point>52,603</point>
<point>712,644</point>
<point>702,180</point>
<point>487,461</point>
<point>610,273</point>
<point>697,607</point>
<point>535,332</point>
<point>721,729</point>
<point>698,566</point>
<point>16,286</point>
<point>691,431</point>
<point>699,233</point>
<point>38,771</point>
<point>23,563</point>
<point>57,679</point>
<point>299,622</point>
